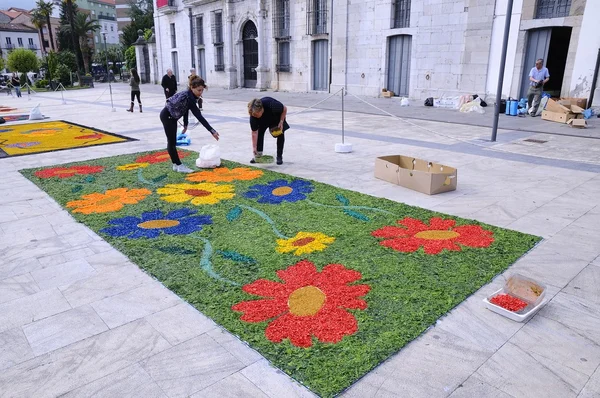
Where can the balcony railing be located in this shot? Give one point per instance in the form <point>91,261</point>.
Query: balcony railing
<point>107,17</point>
<point>32,47</point>
<point>9,46</point>
<point>169,8</point>
<point>553,9</point>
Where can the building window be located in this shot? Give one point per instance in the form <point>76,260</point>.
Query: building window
<point>281,19</point>
<point>401,14</point>
<point>283,56</point>
<point>316,16</point>
<point>173,37</point>
<point>199,30</point>
<point>217,37</point>
<point>30,42</point>
<point>20,41</point>
<point>553,8</point>
<point>96,39</point>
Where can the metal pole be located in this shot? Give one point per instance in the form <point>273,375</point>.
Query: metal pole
<point>509,8</point>
<point>108,74</point>
<point>343,93</point>
<point>594,80</point>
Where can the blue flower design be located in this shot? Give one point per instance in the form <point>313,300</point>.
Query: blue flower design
<point>278,191</point>
<point>152,223</point>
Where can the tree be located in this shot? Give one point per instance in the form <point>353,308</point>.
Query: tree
<point>113,54</point>
<point>141,13</point>
<point>23,61</point>
<point>80,28</point>
<point>67,41</point>
<point>39,21</point>
<point>2,64</point>
<point>130,57</point>
<point>68,59</point>
<point>44,10</point>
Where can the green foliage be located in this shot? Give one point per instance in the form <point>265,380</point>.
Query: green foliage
<point>64,74</point>
<point>2,63</point>
<point>130,58</point>
<point>408,293</point>
<point>69,59</point>
<point>42,83</point>
<point>141,13</point>
<point>23,60</point>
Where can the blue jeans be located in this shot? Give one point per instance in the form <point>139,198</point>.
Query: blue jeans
<point>18,90</point>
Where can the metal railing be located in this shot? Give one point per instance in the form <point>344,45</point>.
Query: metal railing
<point>552,9</point>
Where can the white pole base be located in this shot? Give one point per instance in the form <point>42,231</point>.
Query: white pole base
<point>343,148</point>
<point>114,109</point>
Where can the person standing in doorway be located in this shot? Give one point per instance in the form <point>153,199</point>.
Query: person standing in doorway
<point>267,113</point>
<point>169,84</point>
<point>538,76</point>
<point>178,106</point>
<point>134,83</point>
<point>16,82</point>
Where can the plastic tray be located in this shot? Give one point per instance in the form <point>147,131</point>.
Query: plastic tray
<point>524,288</point>
<point>521,316</point>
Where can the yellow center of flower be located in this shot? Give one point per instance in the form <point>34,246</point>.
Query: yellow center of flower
<point>66,171</point>
<point>107,201</point>
<point>163,156</point>
<point>197,192</point>
<point>306,301</point>
<point>303,241</point>
<point>157,224</point>
<point>437,235</point>
<point>282,191</point>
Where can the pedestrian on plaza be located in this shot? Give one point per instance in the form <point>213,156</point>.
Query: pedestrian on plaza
<point>267,113</point>
<point>16,83</point>
<point>538,76</point>
<point>169,84</point>
<point>178,106</point>
<point>134,83</point>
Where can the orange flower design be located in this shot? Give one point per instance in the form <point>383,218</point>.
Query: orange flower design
<point>223,174</point>
<point>110,201</point>
<point>308,303</point>
<point>434,238</point>
<point>159,157</point>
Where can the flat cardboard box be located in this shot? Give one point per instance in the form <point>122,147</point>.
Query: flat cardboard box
<point>577,123</point>
<point>387,94</point>
<point>557,117</point>
<point>416,174</point>
<point>560,113</point>
<point>580,102</point>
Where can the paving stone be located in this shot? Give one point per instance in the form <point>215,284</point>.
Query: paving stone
<point>17,287</point>
<point>14,348</point>
<point>273,382</point>
<point>63,274</point>
<point>180,323</point>
<point>31,308</point>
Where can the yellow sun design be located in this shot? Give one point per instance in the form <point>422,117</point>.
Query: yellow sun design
<point>304,243</point>
<point>133,166</point>
<point>197,194</point>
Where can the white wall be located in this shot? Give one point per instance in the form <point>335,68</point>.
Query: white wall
<point>587,51</point>
<point>496,48</point>
<point>14,40</point>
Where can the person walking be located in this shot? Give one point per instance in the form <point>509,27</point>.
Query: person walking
<point>267,113</point>
<point>538,76</point>
<point>16,83</point>
<point>169,84</point>
<point>178,106</point>
<point>134,83</point>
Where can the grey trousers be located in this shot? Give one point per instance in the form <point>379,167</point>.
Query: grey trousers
<point>534,95</point>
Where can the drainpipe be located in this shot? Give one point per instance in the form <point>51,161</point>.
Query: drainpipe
<point>594,80</point>
<point>346,67</point>
<point>192,38</point>
<point>330,46</point>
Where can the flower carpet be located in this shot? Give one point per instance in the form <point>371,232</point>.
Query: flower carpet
<point>324,282</point>
<point>29,138</point>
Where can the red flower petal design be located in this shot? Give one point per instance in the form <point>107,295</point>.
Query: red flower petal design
<point>159,157</point>
<point>436,237</point>
<point>308,303</point>
<point>66,172</point>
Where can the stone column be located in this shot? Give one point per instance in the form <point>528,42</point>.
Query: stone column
<point>262,70</point>
<point>141,58</point>
<point>152,57</point>
<point>230,68</point>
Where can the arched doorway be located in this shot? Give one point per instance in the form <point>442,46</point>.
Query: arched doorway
<point>249,36</point>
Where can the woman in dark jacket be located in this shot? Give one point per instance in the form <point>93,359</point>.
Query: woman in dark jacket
<point>169,84</point>
<point>178,106</point>
<point>134,82</point>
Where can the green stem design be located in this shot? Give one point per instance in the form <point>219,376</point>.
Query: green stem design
<point>143,180</point>
<point>267,219</point>
<point>104,187</point>
<point>206,264</point>
<point>350,207</point>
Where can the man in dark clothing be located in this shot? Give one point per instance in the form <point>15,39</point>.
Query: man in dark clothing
<point>267,113</point>
<point>169,84</point>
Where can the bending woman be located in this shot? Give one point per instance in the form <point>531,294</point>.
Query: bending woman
<point>178,106</point>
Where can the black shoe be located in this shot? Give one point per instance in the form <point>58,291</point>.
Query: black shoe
<point>252,160</point>
<point>279,160</point>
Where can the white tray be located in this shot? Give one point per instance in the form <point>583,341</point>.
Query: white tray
<point>515,316</point>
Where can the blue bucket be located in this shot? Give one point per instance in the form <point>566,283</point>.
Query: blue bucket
<point>507,110</point>
<point>514,108</point>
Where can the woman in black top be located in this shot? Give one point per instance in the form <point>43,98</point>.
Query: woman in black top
<point>267,113</point>
<point>16,82</point>
<point>178,106</point>
<point>134,83</point>
<point>169,84</point>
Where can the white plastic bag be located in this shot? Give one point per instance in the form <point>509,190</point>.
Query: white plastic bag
<point>404,102</point>
<point>210,157</point>
<point>473,106</point>
<point>36,113</point>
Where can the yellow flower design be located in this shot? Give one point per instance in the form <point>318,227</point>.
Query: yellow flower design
<point>304,243</point>
<point>133,166</point>
<point>197,194</point>
<point>108,202</point>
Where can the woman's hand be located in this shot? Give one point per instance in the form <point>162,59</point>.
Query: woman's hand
<point>215,135</point>
<point>184,130</point>
<point>280,125</point>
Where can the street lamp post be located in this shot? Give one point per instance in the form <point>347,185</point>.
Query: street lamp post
<point>108,74</point>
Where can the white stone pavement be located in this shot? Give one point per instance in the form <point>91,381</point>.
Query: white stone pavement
<point>78,319</point>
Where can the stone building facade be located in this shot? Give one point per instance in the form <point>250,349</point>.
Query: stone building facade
<point>416,48</point>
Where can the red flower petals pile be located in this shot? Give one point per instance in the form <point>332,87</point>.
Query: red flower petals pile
<point>508,302</point>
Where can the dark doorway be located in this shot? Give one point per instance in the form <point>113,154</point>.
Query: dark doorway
<point>249,36</point>
<point>557,59</point>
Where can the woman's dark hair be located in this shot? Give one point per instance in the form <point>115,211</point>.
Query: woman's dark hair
<point>196,81</point>
<point>135,75</point>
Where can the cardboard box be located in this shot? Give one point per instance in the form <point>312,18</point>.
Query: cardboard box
<point>560,113</point>
<point>580,102</point>
<point>577,123</point>
<point>387,94</point>
<point>416,174</point>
